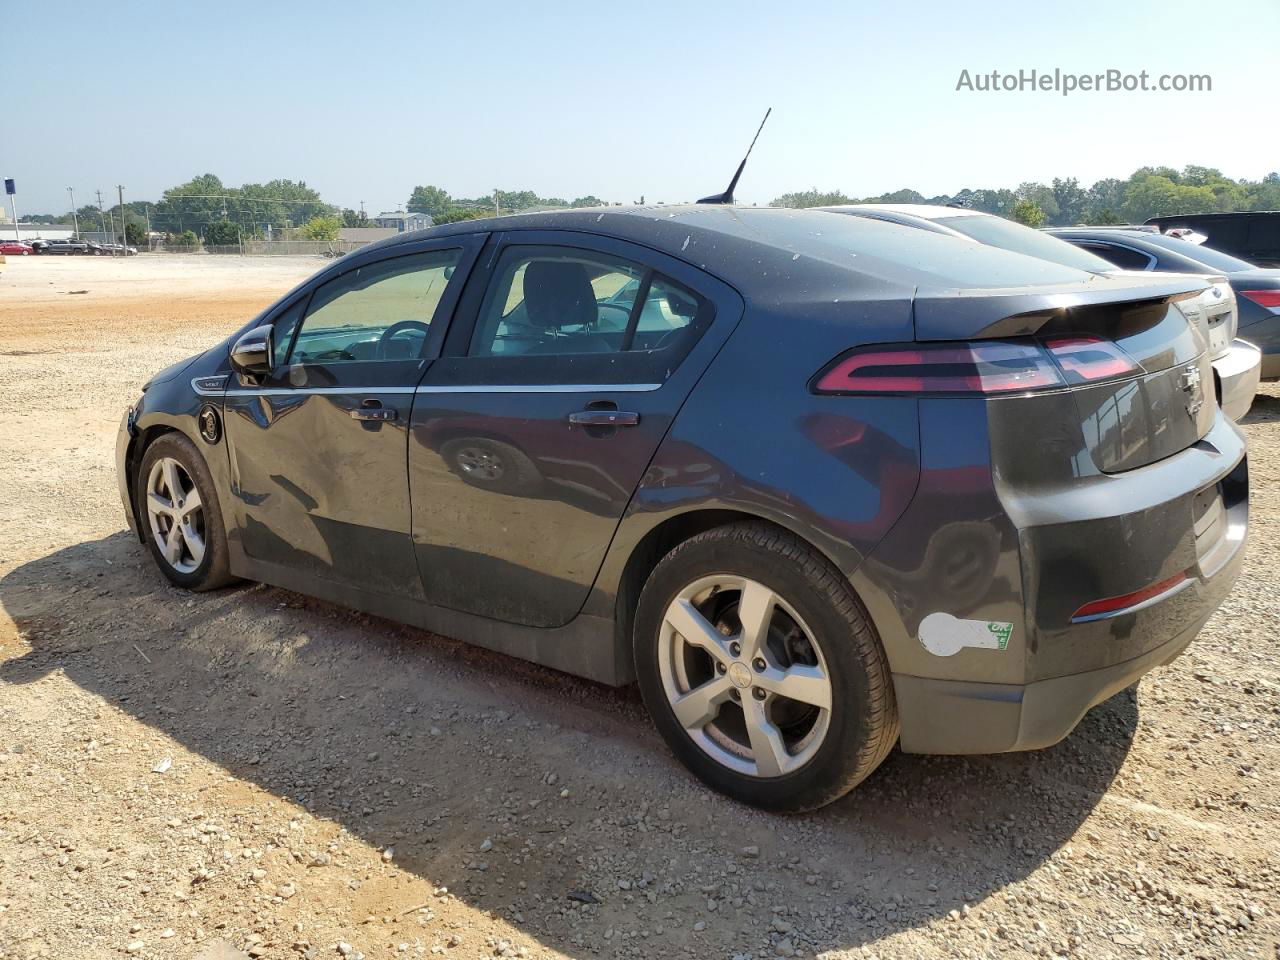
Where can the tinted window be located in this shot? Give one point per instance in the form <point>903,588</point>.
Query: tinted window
<point>998,232</point>
<point>351,317</point>
<point>1122,257</point>
<point>558,301</point>
<point>282,332</point>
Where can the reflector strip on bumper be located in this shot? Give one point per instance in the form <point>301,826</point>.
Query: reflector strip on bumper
<point>1128,602</point>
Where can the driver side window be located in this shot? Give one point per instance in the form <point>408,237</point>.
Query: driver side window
<point>380,311</point>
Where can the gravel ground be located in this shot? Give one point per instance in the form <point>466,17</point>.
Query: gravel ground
<point>255,772</point>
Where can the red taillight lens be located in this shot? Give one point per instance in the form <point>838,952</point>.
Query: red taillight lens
<point>1126,601</point>
<point>1090,359</point>
<point>1263,298</point>
<point>985,367</point>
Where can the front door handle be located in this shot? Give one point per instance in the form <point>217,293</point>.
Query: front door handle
<point>373,410</point>
<point>604,418</point>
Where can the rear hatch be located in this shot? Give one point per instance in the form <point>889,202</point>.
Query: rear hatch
<point>1144,389</point>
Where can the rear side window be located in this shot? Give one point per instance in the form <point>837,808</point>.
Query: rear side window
<point>561,302</point>
<point>1122,257</point>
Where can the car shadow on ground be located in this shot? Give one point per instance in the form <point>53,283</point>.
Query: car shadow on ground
<point>433,746</point>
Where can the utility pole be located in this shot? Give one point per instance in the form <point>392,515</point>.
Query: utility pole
<point>11,189</point>
<point>101,213</point>
<point>148,228</point>
<point>75,221</point>
<point>495,201</point>
<point>124,234</point>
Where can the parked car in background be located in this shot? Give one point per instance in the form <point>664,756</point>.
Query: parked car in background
<point>975,494</point>
<point>63,247</point>
<point>115,249</point>
<point>1254,236</point>
<point>14,248</point>
<point>1257,289</point>
<point>1236,363</point>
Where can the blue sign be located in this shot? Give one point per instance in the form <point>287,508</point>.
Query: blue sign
<point>9,188</point>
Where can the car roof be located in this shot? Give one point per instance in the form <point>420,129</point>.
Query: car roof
<point>773,253</point>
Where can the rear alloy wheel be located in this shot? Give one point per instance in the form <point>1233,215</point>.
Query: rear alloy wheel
<point>761,670</point>
<point>179,514</point>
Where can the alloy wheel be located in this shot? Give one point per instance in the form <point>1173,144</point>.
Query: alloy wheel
<point>176,515</point>
<point>744,676</point>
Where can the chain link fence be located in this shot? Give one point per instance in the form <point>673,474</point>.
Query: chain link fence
<point>269,248</point>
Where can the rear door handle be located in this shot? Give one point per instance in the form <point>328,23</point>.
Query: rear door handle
<point>604,418</point>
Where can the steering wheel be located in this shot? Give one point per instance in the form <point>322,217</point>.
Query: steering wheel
<point>397,328</point>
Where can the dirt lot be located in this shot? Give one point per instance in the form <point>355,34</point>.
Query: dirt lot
<point>191,776</point>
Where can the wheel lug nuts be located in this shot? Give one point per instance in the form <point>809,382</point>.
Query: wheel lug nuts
<point>735,694</point>
<point>759,664</point>
<point>735,648</point>
<point>721,668</point>
<point>758,693</point>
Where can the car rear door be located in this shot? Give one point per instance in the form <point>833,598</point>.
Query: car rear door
<point>317,449</point>
<point>570,356</point>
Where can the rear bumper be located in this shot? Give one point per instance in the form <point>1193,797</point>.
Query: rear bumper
<point>1237,373</point>
<point>948,716</point>
<point>1087,583</point>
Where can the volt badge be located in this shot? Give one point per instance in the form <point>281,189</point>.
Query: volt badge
<point>210,423</point>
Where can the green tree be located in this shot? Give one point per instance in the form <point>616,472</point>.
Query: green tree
<point>1041,196</point>
<point>322,228</point>
<point>186,239</point>
<point>430,200</point>
<point>461,213</point>
<point>590,200</point>
<point>135,234</point>
<point>221,233</point>
<point>354,218</point>
<point>1070,198</point>
<point>1028,212</point>
<point>809,198</point>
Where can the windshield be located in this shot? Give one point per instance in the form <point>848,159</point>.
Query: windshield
<point>1206,255</point>
<point>997,232</point>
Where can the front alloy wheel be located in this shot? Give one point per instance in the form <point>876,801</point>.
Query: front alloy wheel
<point>177,510</point>
<point>175,515</point>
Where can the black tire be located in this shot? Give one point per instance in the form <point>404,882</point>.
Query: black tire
<point>213,571</point>
<point>863,723</point>
<point>492,465</point>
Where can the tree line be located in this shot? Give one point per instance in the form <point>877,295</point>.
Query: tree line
<point>205,209</point>
<point>1148,192</point>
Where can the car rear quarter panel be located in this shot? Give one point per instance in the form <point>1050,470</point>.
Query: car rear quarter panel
<point>754,439</point>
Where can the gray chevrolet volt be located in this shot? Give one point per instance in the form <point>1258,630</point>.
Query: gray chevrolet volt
<point>818,484</point>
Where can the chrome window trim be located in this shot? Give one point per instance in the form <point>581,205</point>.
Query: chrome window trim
<point>468,388</point>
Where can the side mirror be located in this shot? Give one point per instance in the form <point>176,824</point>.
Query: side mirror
<point>251,354</point>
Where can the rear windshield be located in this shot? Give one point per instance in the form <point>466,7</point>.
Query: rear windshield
<point>1008,235</point>
<point>893,252</point>
<point>1202,254</point>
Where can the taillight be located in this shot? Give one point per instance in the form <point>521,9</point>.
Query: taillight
<point>1090,359</point>
<point>983,367</point>
<point>1263,298</point>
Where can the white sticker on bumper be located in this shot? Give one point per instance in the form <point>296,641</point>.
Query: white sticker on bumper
<point>944,635</point>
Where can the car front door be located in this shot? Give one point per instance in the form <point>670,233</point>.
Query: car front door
<point>567,363</point>
<point>317,449</point>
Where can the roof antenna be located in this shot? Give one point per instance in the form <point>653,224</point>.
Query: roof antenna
<point>727,196</point>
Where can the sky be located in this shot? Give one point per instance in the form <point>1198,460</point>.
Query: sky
<point>362,101</point>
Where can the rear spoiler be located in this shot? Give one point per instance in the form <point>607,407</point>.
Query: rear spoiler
<point>965,314</point>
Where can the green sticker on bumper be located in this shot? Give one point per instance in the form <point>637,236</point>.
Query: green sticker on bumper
<point>944,635</point>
